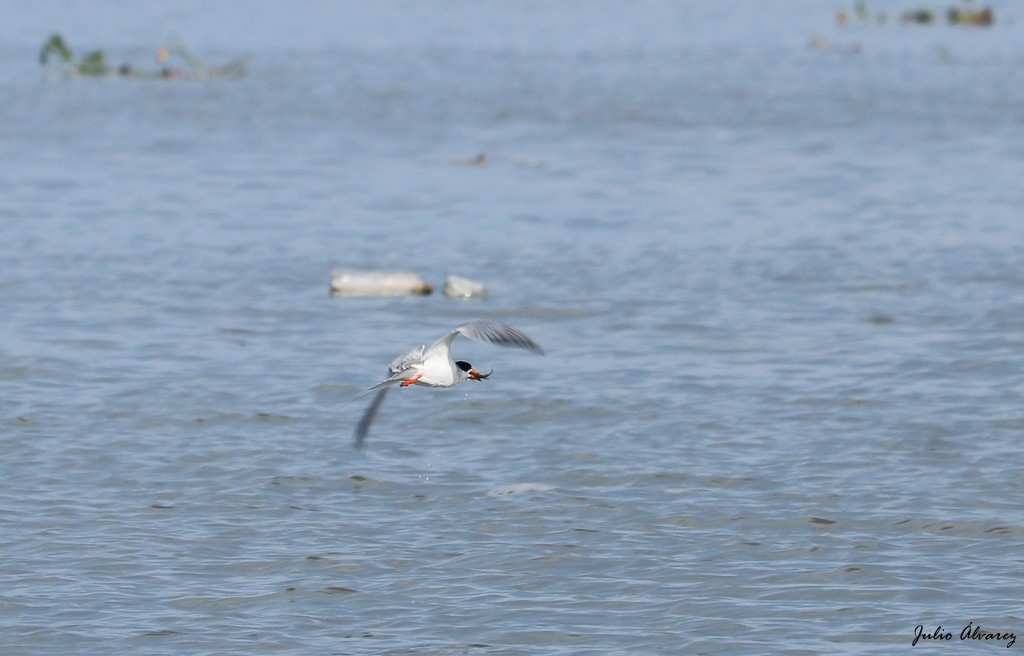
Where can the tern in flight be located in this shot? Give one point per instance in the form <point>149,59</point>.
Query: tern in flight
<point>434,366</point>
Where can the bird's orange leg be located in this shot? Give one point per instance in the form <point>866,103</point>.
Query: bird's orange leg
<point>410,381</point>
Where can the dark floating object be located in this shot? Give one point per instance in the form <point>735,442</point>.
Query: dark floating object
<point>481,159</point>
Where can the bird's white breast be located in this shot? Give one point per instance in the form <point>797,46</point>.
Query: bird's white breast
<point>438,372</point>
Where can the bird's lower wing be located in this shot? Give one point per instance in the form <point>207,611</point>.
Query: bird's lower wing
<point>387,382</point>
<point>403,367</point>
<point>363,427</point>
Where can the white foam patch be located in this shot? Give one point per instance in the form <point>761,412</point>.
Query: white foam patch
<point>519,488</point>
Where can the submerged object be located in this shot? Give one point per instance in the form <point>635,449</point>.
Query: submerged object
<point>481,159</point>
<point>350,282</point>
<point>459,287</point>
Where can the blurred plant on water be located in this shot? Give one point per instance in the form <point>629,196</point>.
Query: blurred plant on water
<point>55,54</point>
<point>964,15</point>
<point>92,64</point>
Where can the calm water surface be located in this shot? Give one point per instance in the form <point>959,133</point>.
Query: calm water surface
<point>781,291</point>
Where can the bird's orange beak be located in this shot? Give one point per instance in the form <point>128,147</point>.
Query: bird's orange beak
<point>476,375</point>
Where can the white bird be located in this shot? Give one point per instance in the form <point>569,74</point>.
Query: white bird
<point>434,367</point>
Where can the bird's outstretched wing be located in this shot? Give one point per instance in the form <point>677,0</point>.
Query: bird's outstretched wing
<point>363,427</point>
<point>491,332</point>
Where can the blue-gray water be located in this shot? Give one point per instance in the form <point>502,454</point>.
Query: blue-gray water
<point>781,290</point>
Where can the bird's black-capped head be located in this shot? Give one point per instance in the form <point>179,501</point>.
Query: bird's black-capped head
<point>471,373</point>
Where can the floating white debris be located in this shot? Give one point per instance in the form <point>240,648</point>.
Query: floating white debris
<point>377,283</point>
<point>519,488</point>
<point>459,287</point>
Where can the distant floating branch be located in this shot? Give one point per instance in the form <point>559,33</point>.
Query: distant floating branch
<point>921,16</point>
<point>56,54</point>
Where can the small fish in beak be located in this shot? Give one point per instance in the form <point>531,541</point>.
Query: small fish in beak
<point>476,375</point>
